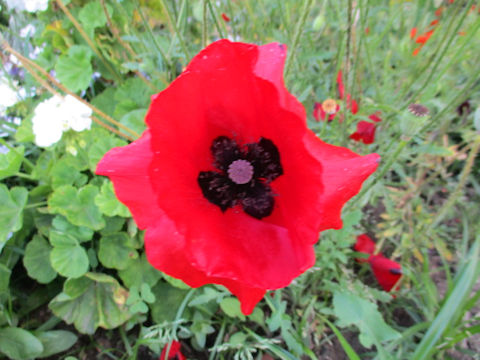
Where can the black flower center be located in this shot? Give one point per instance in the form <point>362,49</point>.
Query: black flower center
<point>243,177</point>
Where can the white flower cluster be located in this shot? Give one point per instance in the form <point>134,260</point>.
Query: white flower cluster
<point>55,115</point>
<point>28,5</point>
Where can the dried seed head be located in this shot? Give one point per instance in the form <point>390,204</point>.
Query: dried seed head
<point>418,110</point>
<point>329,106</point>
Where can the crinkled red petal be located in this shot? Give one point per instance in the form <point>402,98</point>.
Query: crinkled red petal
<point>342,177</point>
<point>375,117</point>
<point>386,271</point>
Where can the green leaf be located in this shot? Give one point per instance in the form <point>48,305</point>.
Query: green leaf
<point>135,120</point>
<point>101,303</point>
<point>353,310</point>
<point>37,260</point>
<point>55,341</point>
<point>12,203</point>
<point>101,145</point>
<point>168,300</point>
<point>63,228</point>
<point>10,162</point>
<point>74,69</point>
<point>19,344</point>
<point>139,271</point>
<point>92,16</point>
<point>231,307</point>
<point>116,250</point>
<point>69,260</point>
<point>78,206</point>
<point>108,203</point>
<point>147,294</point>
<point>453,307</point>
<point>175,282</point>
<point>63,173</point>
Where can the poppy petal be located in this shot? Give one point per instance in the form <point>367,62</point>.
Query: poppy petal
<point>386,271</point>
<point>364,245</point>
<point>174,352</point>
<point>343,174</point>
<point>365,132</point>
<point>341,87</point>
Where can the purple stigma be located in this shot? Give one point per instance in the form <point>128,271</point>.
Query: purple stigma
<point>240,171</point>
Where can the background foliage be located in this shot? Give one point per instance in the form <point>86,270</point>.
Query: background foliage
<point>72,262</point>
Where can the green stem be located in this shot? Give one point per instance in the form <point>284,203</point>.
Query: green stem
<point>219,338</point>
<point>296,37</point>
<point>25,176</point>
<point>174,26</point>
<point>217,25</point>
<point>34,205</point>
<point>204,25</point>
<point>123,335</point>
<point>458,189</point>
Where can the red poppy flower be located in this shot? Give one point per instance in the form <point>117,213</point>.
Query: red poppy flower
<point>174,353</point>
<point>230,184</point>
<point>364,245</point>
<point>386,271</point>
<point>225,17</point>
<point>365,132</point>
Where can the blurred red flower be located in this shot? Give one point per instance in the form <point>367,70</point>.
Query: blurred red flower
<point>386,271</point>
<point>229,183</point>
<point>365,132</point>
<point>225,17</point>
<point>174,352</point>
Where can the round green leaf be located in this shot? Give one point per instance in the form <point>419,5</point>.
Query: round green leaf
<point>77,205</point>
<point>74,68</point>
<point>115,250</point>
<point>100,302</point>
<point>69,260</point>
<point>37,260</point>
<point>19,344</point>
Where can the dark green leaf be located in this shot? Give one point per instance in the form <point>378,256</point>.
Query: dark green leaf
<point>12,203</point>
<point>19,344</point>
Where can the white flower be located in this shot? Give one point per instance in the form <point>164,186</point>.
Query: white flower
<point>55,115</point>
<point>48,124</point>
<point>28,5</point>
<point>77,114</point>
<point>8,96</point>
